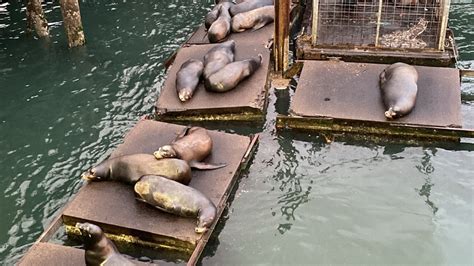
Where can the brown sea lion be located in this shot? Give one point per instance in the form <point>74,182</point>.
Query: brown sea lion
<point>232,74</point>
<point>399,89</point>
<point>249,5</point>
<point>220,29</point>
<point>213,14</point>
<point>253,19</point>
<point>218,56</point>
<point>129,168</point>
<point>187,78</point>
<point>193,145</point>
<point>175,198</point>
<point>99,249</point>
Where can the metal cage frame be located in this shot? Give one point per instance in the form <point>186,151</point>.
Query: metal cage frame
<point>439,44</point>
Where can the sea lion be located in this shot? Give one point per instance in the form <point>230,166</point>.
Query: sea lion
<point>220,29</point>
<point>213,14</point>
<point>249,5</point>
<point>218,56</point>
<point>99,249</point>
<point>229,77</point>
<point>129,168</point>
<point>175,198</point>
<point>399,89</point>
<point>253,19</point>
<point>193,145</point>
<point>187,78</point>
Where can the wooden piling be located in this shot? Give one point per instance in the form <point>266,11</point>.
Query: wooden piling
<point>281,40</point>
<point>72,22</point>
<point>35,19</point>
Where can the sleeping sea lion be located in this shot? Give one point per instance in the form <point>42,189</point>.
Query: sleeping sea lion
<point>193,145</point>
<point>187,78</point>
<point>220,29</point>
<point>99,249</point>
<point>217,57</point>
<point>175,198</point>
<point>229,77</point>
<point>253,19</point>
<point>213,14</point>
<point>399,89</point>
<point>129,168</point>
<point>249,5</point>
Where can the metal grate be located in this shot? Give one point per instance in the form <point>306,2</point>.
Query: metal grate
<point>406,24</point>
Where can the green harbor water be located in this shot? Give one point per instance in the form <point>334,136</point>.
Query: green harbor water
<point>301,201</point>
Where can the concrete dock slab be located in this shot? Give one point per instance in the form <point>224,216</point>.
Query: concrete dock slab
<point>343,90</point>
<point>246,102</point>
<point>113,205</point>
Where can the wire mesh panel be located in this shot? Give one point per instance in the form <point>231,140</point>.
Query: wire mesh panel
<point>407,24</point>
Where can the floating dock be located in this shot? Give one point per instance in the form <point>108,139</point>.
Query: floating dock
<point>247,102</point>
<point>345,97</point>
<point>112,205</point>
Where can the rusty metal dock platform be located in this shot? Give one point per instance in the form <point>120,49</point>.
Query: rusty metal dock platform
<point>345,97</point>
<point>247,102</point>
<point>113,206</point>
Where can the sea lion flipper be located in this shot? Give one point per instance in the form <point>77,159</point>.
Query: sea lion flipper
<point>258,26</point>
<point>206,166</point>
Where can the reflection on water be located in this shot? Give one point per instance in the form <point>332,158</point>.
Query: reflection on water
<point>303,200</point>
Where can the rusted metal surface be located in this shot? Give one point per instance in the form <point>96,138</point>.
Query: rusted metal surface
<point>258,37</point>
<point>282,31</point>
<point>247,99</point>
<point>52,254</point>
<point>113,206</point>
<point>342,90</point>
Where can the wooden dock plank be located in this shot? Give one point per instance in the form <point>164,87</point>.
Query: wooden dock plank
<point>343,90</point>
<point>113,206</point>
<point>246,102</point>
<point>258,37</point>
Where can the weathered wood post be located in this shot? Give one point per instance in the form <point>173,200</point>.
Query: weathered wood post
<point>72,22</point>
<point>35,19</point>
<point>281,40</point>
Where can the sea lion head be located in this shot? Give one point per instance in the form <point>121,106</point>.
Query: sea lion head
<point>90,175</point>
<point>90,233</point>
<point>205,219</point>
<point>185,94</point>
<point>166,151</point>
<point>97,173</point>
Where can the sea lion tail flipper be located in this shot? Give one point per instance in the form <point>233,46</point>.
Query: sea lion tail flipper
<point>206,166</point>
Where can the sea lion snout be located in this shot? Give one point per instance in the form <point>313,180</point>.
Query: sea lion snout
<point>90,175</point>
<point>185,94</point>
<point>165,152</point>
